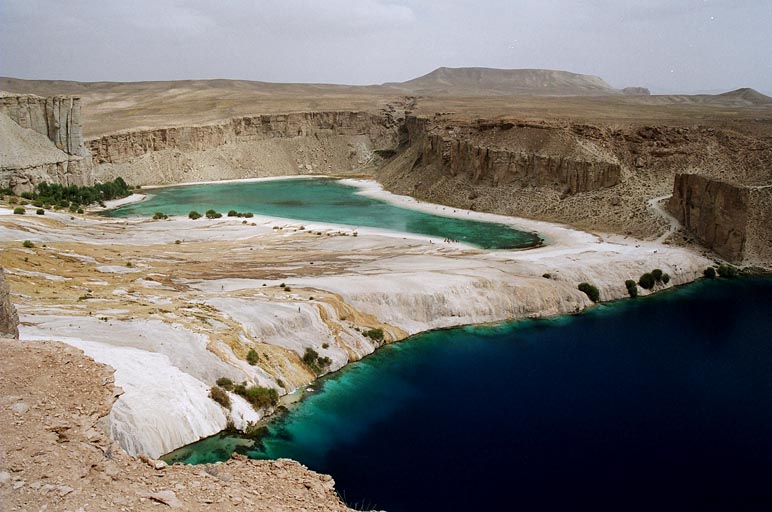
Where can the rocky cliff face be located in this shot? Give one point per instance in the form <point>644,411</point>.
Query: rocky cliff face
<point>459,153</point>
<point>715,211</point>
<point>42,141</point>
<point>9,320</point>
<point>296,143</point>
<point>56,117</point>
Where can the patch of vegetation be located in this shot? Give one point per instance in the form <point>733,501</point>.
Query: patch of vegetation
<point>728,271</point>
<point>225,383</point>
<point>547,276</point>
<point>194,215</point>
<point>160,216</point>
<point>28,244</point>
<point>314,362</point>
<point>232,213</point>
<point>220,396</point>
<point>709,272</point>
<point>252,357</point>
<point>666,278</point>
<point>212,214</point>
<point>590,290</point>
<point>632,288</point>
<point>258,396</point>
<point>73,196</point>
<point>657,275</point>
<point>374,334</point>
<point>647,281</point>
<point>40,211</point>
<point>19,210</point>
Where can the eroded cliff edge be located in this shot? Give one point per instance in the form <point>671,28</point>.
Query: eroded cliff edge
<point>42,141</point>
<point>246,147</point>
<point>732,219</point>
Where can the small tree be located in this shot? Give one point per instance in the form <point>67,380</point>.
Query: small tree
<point>590,290</point>
<point>18,210</point>
<point>657,274</point>
<point>232,213</point>
<point>225,383</point>
<point>40,211</point>
<point>194,215</point>
<point>666,278</point>
<point>632,288</point>
<point>252,357</point>
<point>709,272</point>
<point>28,244</point>
<point>647,281</point>
<point>220,396</point>
<point>212,214</point>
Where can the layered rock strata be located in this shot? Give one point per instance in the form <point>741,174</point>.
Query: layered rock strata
<point>42,141</point>
<point>733,220</point>
<point>509,164</point>
<point>246,147</point>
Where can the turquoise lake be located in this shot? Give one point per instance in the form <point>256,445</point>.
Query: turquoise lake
<point>323,200</point>
<point>661,403</point>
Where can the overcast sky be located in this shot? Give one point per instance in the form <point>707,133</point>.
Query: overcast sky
<point>666,45</point>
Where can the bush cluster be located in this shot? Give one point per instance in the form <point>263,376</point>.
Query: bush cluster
<point>252,357</point>
<point>590,290</point>
<point>194,215</point>
<point>234,213</point>
<point>160,216</point>
<point>258,396</point>
<point>73,197</point>
<point>729,271</point>
<point>225,383</point>
<point>374,334</point>
<point>709,272</point>
<point>19,210</point>
<point>220,396</point>
<point>314,362</point>
<point>212,214</point>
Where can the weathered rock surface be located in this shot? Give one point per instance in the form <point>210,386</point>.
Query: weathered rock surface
<point>636,91</point>
<point>56,117</point>
<point>245,147</point>
<point>9,320</point>
<point>733,220</point>
<point>41,141</point>
<point>54,454</point>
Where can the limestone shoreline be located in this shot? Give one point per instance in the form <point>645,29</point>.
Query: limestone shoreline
<point>173,317</point>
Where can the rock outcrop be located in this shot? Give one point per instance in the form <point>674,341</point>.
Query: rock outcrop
<point>733,220</point>
<point>245,147</point>
<point>56,117</point>
<point>9,320</point>
<point>42,141</point>
<point>508,165</point>
<point>636,91</point>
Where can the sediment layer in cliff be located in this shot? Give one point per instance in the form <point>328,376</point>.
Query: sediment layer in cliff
<point>246,147</point>
<point>733,220</point>
<point>9,320</point>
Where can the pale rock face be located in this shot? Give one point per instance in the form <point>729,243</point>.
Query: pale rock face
<point>9,320</point>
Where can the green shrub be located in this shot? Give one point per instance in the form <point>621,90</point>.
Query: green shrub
<point>28,244</point>
<point>709,272</point>
<point>258,396</point>
<point>13,200</point>
<point>80,210</point>
<point>249,215</point>
<point>225,383</point>
<point>647,281</point>
<point>232,213</point>
<point>314,362</point>
<point>252,357</point>
<point>212,214</point>
<point>40,211</point>
<point>728,271</point>
<point>19,210</point>
<point>220,396</point>
<point>632,288</point>
<point>666,278</point>
<point>657,275</point>
<point>590,290</point>
<point>374,334</point>
<point>160,216</point>
<point>547,276</point>
<point>194,215</point>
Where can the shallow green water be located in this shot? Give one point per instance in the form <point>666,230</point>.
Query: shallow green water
<point>324,200</point>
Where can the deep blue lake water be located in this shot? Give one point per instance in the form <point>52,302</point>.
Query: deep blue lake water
<point>661,402</point>
<point>323,200</point>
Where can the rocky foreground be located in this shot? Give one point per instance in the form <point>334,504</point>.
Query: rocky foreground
<point>54,454</point>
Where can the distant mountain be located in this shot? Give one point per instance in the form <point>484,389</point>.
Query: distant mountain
<point>506,82</point>
<point>747,95</point>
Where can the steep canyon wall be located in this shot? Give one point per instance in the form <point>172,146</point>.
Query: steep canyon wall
<point>245,147</point>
